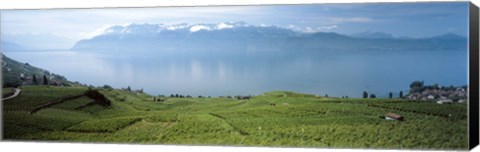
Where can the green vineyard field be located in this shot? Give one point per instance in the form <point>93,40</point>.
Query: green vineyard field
<point>276,118</point>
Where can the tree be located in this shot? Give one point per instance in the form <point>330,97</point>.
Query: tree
<point>401,94</point>
<point>107,86</point>
<point>390,95</point>
<point>365,94</point>
<point>45,80</point>
<point>451,87</point>
<point>34,79</point>
<point>129,89</point>
<point>416,86</point>
<point>326,95</point>
<point>372,96</point>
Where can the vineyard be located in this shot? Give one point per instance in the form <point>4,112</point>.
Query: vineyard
<point>272,119</point>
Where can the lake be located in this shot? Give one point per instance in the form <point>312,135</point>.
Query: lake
<point>333,73</point>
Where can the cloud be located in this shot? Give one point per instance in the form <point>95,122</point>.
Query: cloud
<point>98,31</point>
<point>327,28</point>
<point>80,23</point>
<point>88,35</point>
<point>293,27</point>
<point>337,20</point>
<point>223,26</point>
<point>198,28</point>
<point>309,29</point>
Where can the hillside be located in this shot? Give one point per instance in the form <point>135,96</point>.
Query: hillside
<point>15,73</point>
<point>272,119</point>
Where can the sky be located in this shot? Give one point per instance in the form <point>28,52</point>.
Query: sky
<point>424,19</point>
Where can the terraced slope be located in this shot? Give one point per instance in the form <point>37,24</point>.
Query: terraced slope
<point>272,119</point>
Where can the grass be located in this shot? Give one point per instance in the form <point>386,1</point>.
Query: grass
<point>295,120</point>
<point>33,96</point>
<point>103,125</point>
<point>6,92</point>
<point>73,104</point>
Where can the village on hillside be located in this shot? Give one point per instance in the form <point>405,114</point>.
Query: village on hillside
<point>440,94</point>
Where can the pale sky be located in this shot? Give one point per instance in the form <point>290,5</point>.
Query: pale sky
<point>424,19</point>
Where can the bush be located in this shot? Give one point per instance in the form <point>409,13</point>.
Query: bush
<point>98,97</point>
<point>107,87</point>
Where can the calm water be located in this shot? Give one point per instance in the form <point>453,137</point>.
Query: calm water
<point>335,74</point>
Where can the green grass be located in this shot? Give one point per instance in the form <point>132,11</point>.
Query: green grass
<point>103,125</point>
<point>6,92</point>
<point>33,96</point>
<point>73,104</point>
<point>295,120</point>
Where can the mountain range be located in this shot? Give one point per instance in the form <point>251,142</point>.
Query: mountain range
<point>373,35</point>
<point>228,37</point>
<point>35,41</point>
<point>5,45</point>
<point>239,36</point>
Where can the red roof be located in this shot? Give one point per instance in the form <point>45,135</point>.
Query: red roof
<point>394,116</point>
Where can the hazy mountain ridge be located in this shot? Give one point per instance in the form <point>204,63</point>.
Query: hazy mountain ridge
<point>5,45</point>
<point>36,41</point>
<point>373,35</point>
<point>243,37</point>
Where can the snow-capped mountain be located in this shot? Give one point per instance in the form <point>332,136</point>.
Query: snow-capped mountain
<point>159,28</point>
<point>219,36</point>
<point>242,37</point>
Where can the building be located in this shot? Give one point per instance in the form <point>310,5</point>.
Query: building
<point>454,94</point>
<point>430,97</point>
<point>444,101</point>
<point>393,116</point>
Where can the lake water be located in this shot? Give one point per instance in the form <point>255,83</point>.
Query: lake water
<point>335,73</point>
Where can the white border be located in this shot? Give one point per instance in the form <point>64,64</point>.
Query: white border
<point>42,4</point>
<point>82,147</point>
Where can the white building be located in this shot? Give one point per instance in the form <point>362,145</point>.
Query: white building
<point>444,101</point>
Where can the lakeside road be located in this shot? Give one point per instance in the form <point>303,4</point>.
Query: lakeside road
<point>15,94</point>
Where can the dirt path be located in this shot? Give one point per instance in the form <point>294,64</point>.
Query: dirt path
<point>15,94</point>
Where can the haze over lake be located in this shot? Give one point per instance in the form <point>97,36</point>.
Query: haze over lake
<point>335,74</point>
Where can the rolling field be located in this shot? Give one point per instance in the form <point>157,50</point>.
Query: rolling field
<point>277,118</point>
